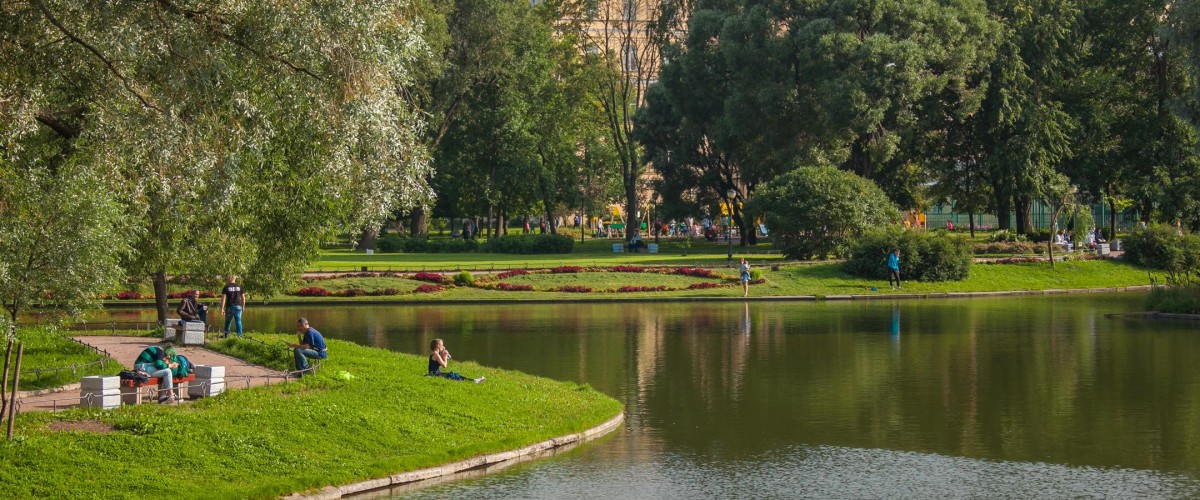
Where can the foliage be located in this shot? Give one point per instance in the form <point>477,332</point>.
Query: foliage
<point>511,273</point>
<point>420,244</point>
<point>312,291</point>
<point>1006,236</point>
<point>464,278</point>
<point>1174,299</point>
<point>814,212</point>
<point>924,256</point>
<point>429,288</point>
<point>567,269</point>
<point>430,277</point>
<point>372,425</point>
<point>1160,247</point>
<point>1017,248</point>
<point>509,287</point>
<point>574,289</point>
<point>389,243</point>
<point>530,244</point>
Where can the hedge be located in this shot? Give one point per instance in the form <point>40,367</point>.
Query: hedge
<point>924,256</point>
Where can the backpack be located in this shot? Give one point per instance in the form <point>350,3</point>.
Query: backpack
<point>138,376</point>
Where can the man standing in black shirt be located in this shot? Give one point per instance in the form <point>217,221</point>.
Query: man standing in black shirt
<point>233,300</point>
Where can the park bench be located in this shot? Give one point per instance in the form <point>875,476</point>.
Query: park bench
<point>131,390</point>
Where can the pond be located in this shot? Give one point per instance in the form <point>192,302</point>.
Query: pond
<point>1016,397</point>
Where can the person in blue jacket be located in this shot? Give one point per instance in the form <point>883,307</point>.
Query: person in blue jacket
<point>312,345</point>
<point>893,265</point>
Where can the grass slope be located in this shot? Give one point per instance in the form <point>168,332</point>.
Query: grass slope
<point>47,348</point>
<point>382,418</point>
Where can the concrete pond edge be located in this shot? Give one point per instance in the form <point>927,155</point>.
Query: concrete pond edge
<point>403,478</point>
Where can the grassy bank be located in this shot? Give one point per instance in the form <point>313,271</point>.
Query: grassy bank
<point>52,359</point>
<point>368,413</point>
<point>1175,300</point>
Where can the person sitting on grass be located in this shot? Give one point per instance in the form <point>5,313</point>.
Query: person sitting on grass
<point>312,345</point>
<point>439,358</point>
<point>158,363</point>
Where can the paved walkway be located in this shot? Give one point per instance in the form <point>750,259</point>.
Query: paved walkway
<point>238,373</point>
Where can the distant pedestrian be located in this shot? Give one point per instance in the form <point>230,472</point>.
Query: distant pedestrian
<point>744,275</point>
<point>233,301</point>
<point>893,265</point>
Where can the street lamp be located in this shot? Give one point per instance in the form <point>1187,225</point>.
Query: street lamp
<point>729,226</point>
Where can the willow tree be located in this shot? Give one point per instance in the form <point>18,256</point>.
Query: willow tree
<point>236,133</point>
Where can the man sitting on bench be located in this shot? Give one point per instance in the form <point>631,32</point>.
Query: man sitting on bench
<point>158,363</point>
<point>312,345</point>
<point>191,310</point>
<point>635,242</point>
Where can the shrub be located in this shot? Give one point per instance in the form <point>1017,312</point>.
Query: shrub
<point>1159,247</point>
<point>509,287</point>
<point>816,211</point>
<point>1177,300</point>
<point>566,269</point>
<point>1006,236</point>
<point>1040,236</point>
<point>509,274</point>
<point>530,244</point>
<point>429,288</point>
<point>352,292</point>
<point>755,275</point>
<point>312,291</point>
<point>702,286</point>
<point>430,277</point>
<point>574,289</point>
<point>630,288</point>
<point>697,272</point>
<point>924,256</point>
<point>1017,247</point>
<point>389,243</point>
<point>464,278</point>
<point>384,291</point>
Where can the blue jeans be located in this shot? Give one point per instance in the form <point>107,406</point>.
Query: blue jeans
<point>302,356</point>
<point>232,314</point>
<point>164,375</point>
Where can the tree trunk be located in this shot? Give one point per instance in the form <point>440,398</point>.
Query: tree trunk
<point>1024,214</point>
<point>631,209</point>
<point>1003,210</point>
<point>160,296</point>
<point>971,222</point>
<point>367,239</point>
<point>491,217</point>
<point>418,222</point>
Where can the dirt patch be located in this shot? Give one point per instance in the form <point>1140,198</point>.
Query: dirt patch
<point>94,426</point>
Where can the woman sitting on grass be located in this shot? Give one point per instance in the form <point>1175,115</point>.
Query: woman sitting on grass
<point>438,360</point>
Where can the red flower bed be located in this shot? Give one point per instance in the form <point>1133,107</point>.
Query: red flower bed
<point>701,286</point>
<point>429,289</point>
<point>567,269</point>
<point>627,289</point>
<point>353,292</point>
<point>312,291</point>
<point>509,274</point>
<point>385,291</point>
<point>430,277</point>
<point>574,289</point>
<point>627,269</point>
<point>509,287</point>
<point>129,295</point>
<point>697,272</point>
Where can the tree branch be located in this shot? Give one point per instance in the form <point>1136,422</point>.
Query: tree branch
<point>111,68</point>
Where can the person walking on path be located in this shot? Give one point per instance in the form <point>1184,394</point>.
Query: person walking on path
<point>233,301</point>
<point>439,358</point>
<point>744,272</point>
<point>312,345</point>
<point>893,265</point>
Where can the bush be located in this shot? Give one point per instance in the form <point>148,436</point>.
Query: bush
<point>312,291</point>
<point>530,244</point>
<point>1159,247</point>
<point>1177,300</point>
<point>1040,236</point>
<point>1014,248</point>
<point>464,278</point>
<point>389,243</point>
<point>924,256</point>
<point>1005,236</point>
<point>509,287</point>
<point>814,212</point>
<point>430,277</point>
<point>755,275</point>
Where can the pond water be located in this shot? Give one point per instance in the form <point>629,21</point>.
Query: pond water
<point>1011,397</point>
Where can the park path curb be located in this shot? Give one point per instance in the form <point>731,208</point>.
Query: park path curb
<point>331,492</point>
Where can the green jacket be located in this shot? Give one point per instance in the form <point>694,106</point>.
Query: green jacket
<point>153,355</point>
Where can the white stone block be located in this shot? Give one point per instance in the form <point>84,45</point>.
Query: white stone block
<point>129,395</point>
<point>98,383</point>
<point>104,402</point>
<point>205,372</point>
<point>206,388</point>
<point>193,338</point>
<point>193,326</point>
<point>172,322</point>
<point>168,334</point>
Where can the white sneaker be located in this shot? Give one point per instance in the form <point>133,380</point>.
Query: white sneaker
<point>480,379</point>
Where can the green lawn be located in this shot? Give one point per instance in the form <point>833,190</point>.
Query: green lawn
<point>50,357</point>
<point>369,413</point>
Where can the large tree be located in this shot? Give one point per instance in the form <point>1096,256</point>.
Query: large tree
<point>241,132</point>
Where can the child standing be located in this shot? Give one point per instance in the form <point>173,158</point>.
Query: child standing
<point>893,265</point>
<point>439,358</point>
<point>744,270</point>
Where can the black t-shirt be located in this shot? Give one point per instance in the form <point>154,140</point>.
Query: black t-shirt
<point>233,294</point>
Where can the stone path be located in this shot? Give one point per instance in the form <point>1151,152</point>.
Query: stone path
<point>239,374</point>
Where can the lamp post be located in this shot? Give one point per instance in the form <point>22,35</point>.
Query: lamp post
<point>729,225</point>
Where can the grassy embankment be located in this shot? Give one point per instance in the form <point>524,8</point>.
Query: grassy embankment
<point>47,349</point>
<point>368,413</point>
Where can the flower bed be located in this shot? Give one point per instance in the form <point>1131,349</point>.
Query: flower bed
<point>509,274</point>
<point>509,287</point>
<point>573,289</point>
<point>430,277</point>
<point>429,289</point>
<point>628,289</point>
<point>567,269</point>
<point>702,286</point>
<point>312,291</point>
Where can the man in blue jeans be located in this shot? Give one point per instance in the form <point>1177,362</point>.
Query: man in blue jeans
<point>233,300</point>
<point>158,362</point>
<point>312,345</point>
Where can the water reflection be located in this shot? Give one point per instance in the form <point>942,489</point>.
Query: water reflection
<point>1014,394</point>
